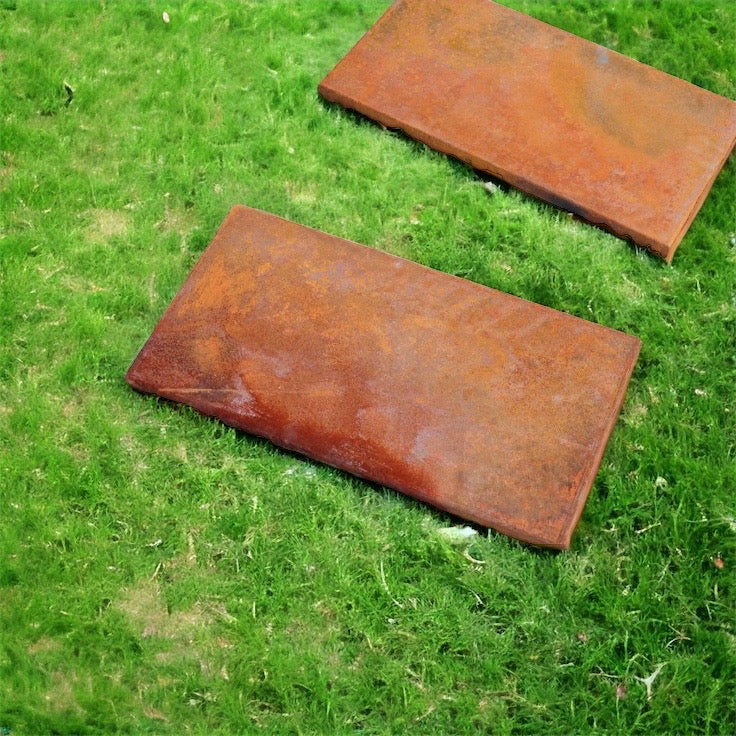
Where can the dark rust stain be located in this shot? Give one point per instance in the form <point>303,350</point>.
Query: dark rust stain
<point>480,403</point>
<point>619,143</point>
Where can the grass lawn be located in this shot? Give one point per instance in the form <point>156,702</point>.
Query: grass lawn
<point>162,573</point>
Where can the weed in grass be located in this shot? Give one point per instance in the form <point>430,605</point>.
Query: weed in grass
<point>161,573</point>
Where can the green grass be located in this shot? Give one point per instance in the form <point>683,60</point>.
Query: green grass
<point>161,573</point>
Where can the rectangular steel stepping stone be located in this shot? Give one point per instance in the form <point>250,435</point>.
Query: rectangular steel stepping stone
<point>614,141</point>
<point>477,402</point>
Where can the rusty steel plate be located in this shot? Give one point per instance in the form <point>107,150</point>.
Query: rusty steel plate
<point>612,140</point>
<point>479,403</point>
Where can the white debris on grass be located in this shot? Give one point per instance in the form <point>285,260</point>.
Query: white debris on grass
<point>649,681</point>
<point>303,469</point>
<point>459,535</point>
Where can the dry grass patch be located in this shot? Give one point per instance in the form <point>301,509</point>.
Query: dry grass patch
<point>145,607</point>
<point>106,224</point>
<point>43,645</point>
<point>300,193</point>
<point>179,221</point>
<point>59,696</point>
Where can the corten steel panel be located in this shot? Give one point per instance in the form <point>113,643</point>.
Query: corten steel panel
<point>618,143</point>
<point>480,403</point>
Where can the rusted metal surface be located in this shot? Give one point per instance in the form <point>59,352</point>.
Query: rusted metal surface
<point>480,403</point>
<point>616,142</point>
